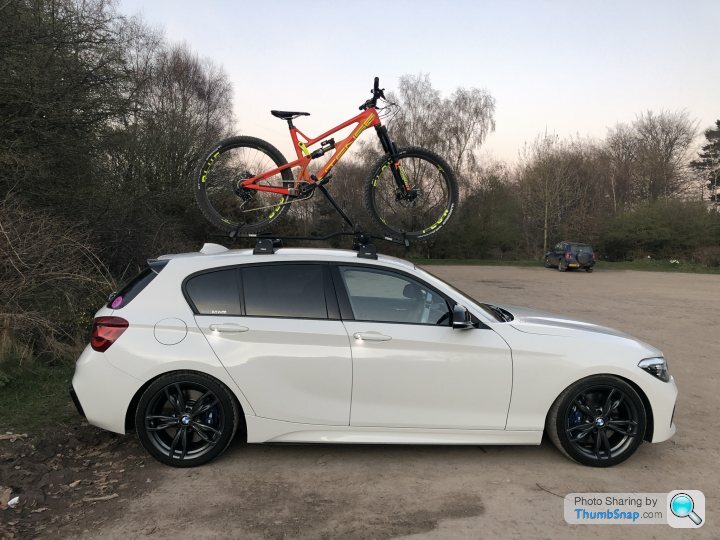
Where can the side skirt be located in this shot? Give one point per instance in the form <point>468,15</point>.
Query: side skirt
<point>261,430</point>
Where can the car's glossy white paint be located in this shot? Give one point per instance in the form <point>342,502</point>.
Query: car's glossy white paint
<point>342,381</point>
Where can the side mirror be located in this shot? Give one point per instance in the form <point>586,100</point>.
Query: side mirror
<point>461,318</point>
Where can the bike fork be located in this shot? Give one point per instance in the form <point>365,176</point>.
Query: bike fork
<point>389,147</point>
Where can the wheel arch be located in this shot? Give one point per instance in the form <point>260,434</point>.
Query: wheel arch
<point>130,412</point>
<point>650,422</point>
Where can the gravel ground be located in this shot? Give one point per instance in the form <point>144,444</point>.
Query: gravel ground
<point>333,491</point>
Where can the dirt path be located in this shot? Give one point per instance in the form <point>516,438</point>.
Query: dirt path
<point>459,492</point>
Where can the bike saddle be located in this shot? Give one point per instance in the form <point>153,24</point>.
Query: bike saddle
<point>289,115</point>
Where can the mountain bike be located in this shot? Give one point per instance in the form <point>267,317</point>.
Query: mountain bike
<point>244,184</point>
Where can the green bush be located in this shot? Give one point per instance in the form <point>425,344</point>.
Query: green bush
<point>665,229</point>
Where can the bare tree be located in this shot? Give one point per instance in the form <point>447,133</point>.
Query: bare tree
<point>650,157</point>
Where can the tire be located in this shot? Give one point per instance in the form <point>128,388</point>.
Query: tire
<point>548,264</point>
<point>216,179</point>
<point>567,420</point>
<point>409,218</point>
<point>589,269</point>
<point>161,426</point>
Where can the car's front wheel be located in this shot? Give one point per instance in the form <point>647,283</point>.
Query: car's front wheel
<point>599,421</point>
<point>186,419</point>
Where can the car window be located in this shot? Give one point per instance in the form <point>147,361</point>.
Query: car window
<point>383,296</point>
<point>284,290</point>
<point>215,293</point>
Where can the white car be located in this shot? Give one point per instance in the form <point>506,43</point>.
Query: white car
<point>323,346</point>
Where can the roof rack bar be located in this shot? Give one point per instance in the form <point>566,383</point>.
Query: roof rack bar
<point>267,243</point>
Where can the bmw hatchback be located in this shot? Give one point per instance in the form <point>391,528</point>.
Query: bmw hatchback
<point>324,346</point>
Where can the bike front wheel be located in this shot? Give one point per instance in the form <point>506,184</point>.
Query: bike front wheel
<point>219,194</point>
<point>424,203</point>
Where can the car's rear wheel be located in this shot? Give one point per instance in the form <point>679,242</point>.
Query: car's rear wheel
<point>186,419</point>
<point>599,421</point>
<point>589,269</point>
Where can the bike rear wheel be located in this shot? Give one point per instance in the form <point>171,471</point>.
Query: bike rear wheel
<point>421,211</point>
<point>217,189</point>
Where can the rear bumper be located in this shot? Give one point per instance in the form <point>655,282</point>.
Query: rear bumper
<point>101,392</point>
<point>76,401</point>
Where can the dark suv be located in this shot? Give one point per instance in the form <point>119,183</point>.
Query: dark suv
<point>570,255</point>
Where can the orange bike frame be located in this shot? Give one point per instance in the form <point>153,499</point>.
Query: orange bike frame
<point>368,118</point>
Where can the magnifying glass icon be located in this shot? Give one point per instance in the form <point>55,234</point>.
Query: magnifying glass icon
<point>682,506</point>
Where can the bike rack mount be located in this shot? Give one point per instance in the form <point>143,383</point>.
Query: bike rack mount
<point>267,243</point>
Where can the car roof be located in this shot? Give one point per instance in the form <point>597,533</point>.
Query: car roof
<point>215,254</point>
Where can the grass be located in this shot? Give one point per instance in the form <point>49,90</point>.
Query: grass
<point>645,265</point>
<point>35,397</point>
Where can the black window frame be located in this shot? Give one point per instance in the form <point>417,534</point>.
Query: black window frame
<point>331,299</point>
<point>343,297</point>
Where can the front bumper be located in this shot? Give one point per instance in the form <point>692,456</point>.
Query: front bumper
<point>662,399</point>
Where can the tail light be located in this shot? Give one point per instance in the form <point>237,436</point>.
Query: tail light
<point>568,256</point>
<point>106,331</point>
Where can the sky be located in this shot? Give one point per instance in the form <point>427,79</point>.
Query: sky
<point>572,68</point>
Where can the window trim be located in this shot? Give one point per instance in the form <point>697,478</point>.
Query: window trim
<point>344,298</point>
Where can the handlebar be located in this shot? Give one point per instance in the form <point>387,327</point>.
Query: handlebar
<point>377,92</point>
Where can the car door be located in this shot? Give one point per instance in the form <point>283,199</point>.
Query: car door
<point>410,368</point>
<point>282,343</point>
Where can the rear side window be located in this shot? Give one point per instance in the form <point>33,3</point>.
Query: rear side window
<point>284,290</point>
<point>215,293</point>
<point>137,284</point>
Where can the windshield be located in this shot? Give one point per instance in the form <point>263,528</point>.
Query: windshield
<point>492,311</point>
<point>577,248</point>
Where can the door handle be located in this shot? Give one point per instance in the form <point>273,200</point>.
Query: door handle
<point>236,328</point>
<point>371,336</point>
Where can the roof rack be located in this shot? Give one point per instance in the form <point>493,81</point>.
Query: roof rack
<point>267,243</point>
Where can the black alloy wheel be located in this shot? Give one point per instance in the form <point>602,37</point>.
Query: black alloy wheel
<point>186,419</point>
<point>599,421</point>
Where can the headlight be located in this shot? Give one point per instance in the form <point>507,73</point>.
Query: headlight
<point>657,367</point>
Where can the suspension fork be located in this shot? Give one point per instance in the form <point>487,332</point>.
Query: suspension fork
<point>390,148</point>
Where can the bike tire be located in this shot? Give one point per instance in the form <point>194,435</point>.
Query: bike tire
<point>412,228</point>
<point>209,208</point>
